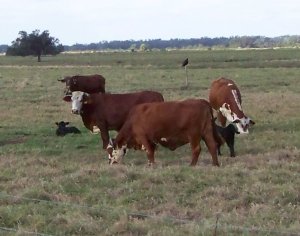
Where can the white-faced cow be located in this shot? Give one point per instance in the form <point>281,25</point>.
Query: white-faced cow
<point>108,111</point>
<point>225,97</point>
<point>170,124</point>
<point>84,83</point>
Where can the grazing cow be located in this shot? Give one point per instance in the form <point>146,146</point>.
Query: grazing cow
<point>108,111</point>
<point>84,83</point>
<point>227,134</point>
<point>170,124</point>
<point>225,97</point>
<point>62,129</point>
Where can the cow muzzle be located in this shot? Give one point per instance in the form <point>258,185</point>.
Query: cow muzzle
<point>75,111</point>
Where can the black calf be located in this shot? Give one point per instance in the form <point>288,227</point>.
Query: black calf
<point>62,129</point>
<point>227,134</point>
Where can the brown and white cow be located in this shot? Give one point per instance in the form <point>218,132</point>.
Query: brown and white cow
<point>225,97</point>
<point>170,124</point>
<point>84,83</point>
<point>108,111</point>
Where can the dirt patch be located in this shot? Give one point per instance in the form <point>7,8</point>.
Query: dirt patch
<point>13,141</point>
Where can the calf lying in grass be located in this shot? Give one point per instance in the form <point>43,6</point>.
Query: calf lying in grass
<point>62,129</point>
<point>227,134</point>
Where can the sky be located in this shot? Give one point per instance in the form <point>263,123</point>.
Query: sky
<point>92,21</point>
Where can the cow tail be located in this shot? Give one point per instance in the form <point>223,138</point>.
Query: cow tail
<point>217,137</point>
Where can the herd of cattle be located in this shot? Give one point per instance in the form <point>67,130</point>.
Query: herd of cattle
<point>143,119</point>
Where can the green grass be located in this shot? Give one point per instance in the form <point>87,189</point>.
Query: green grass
<point>64,185</point>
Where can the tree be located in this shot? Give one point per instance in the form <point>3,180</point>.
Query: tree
<point>35,44</point>
<point>144,47</point>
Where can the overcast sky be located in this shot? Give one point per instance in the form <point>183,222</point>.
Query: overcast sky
<point>92,21</point>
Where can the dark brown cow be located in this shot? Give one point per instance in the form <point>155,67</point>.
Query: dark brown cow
<point>108,111</point>
<point>225,97</point>
<point>170,124</point>
<point>84,83</point>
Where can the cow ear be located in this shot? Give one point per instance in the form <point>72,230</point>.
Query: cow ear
<point>251,122</point>
<point>66,123</point>
<point>67,98</point>
<point>56,123</point>
<point>236,121</point>
<point>87,99</point>
<point>227,106</point>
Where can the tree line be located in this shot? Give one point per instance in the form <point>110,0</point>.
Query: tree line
<point>204,42</point>
<point>41,43</point>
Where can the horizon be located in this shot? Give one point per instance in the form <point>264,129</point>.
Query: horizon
<point>145,40</point>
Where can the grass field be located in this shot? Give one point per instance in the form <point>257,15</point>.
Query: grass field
<point>53,185</point>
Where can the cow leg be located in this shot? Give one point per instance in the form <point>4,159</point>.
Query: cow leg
<point>105,138</point>
<point>212,148</point>
<point>230,144</point>
<point>149,147</point>
<point>222,119</point>
<point>232,152</point>
<point>219,150</point>
<point>150,154</point>
<point>196,149</point>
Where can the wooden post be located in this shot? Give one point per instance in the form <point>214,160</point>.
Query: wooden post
<point>186,77</point>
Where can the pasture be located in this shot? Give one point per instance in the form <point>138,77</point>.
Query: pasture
<point>53,185</point>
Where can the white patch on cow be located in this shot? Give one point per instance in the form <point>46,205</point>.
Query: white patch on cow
<point>143,148</point>
<point>164,139</point>
<point>236,98</point>
<point>229,84</point>
<point>242,124</point>
<point>226,112</point>
<point>96,130</point>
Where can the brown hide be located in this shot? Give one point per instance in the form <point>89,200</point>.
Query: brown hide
<point>220,93</point>
<point>109,111</point>
<point>171,124</point>
<point>85,83</point>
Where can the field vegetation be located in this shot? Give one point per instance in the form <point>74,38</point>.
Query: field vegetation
<point>53,185</point>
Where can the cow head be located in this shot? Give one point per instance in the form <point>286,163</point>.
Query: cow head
<point>62,124</point>
<point>115,155</point>
<point>242,124</point>
<point>66,80</point>
<point>78,98</point>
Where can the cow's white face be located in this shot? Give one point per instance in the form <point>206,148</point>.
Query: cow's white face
<point>77,101</point>
<point>242,124</point>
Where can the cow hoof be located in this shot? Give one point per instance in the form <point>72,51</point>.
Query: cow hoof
<point>112,162</point>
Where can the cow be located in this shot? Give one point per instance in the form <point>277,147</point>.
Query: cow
<point>62,129</point>
<point>108,111</point>
<point>227,134</point>
<point>84,83</point>
<point>225,97</point>
<point>171,124</point>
